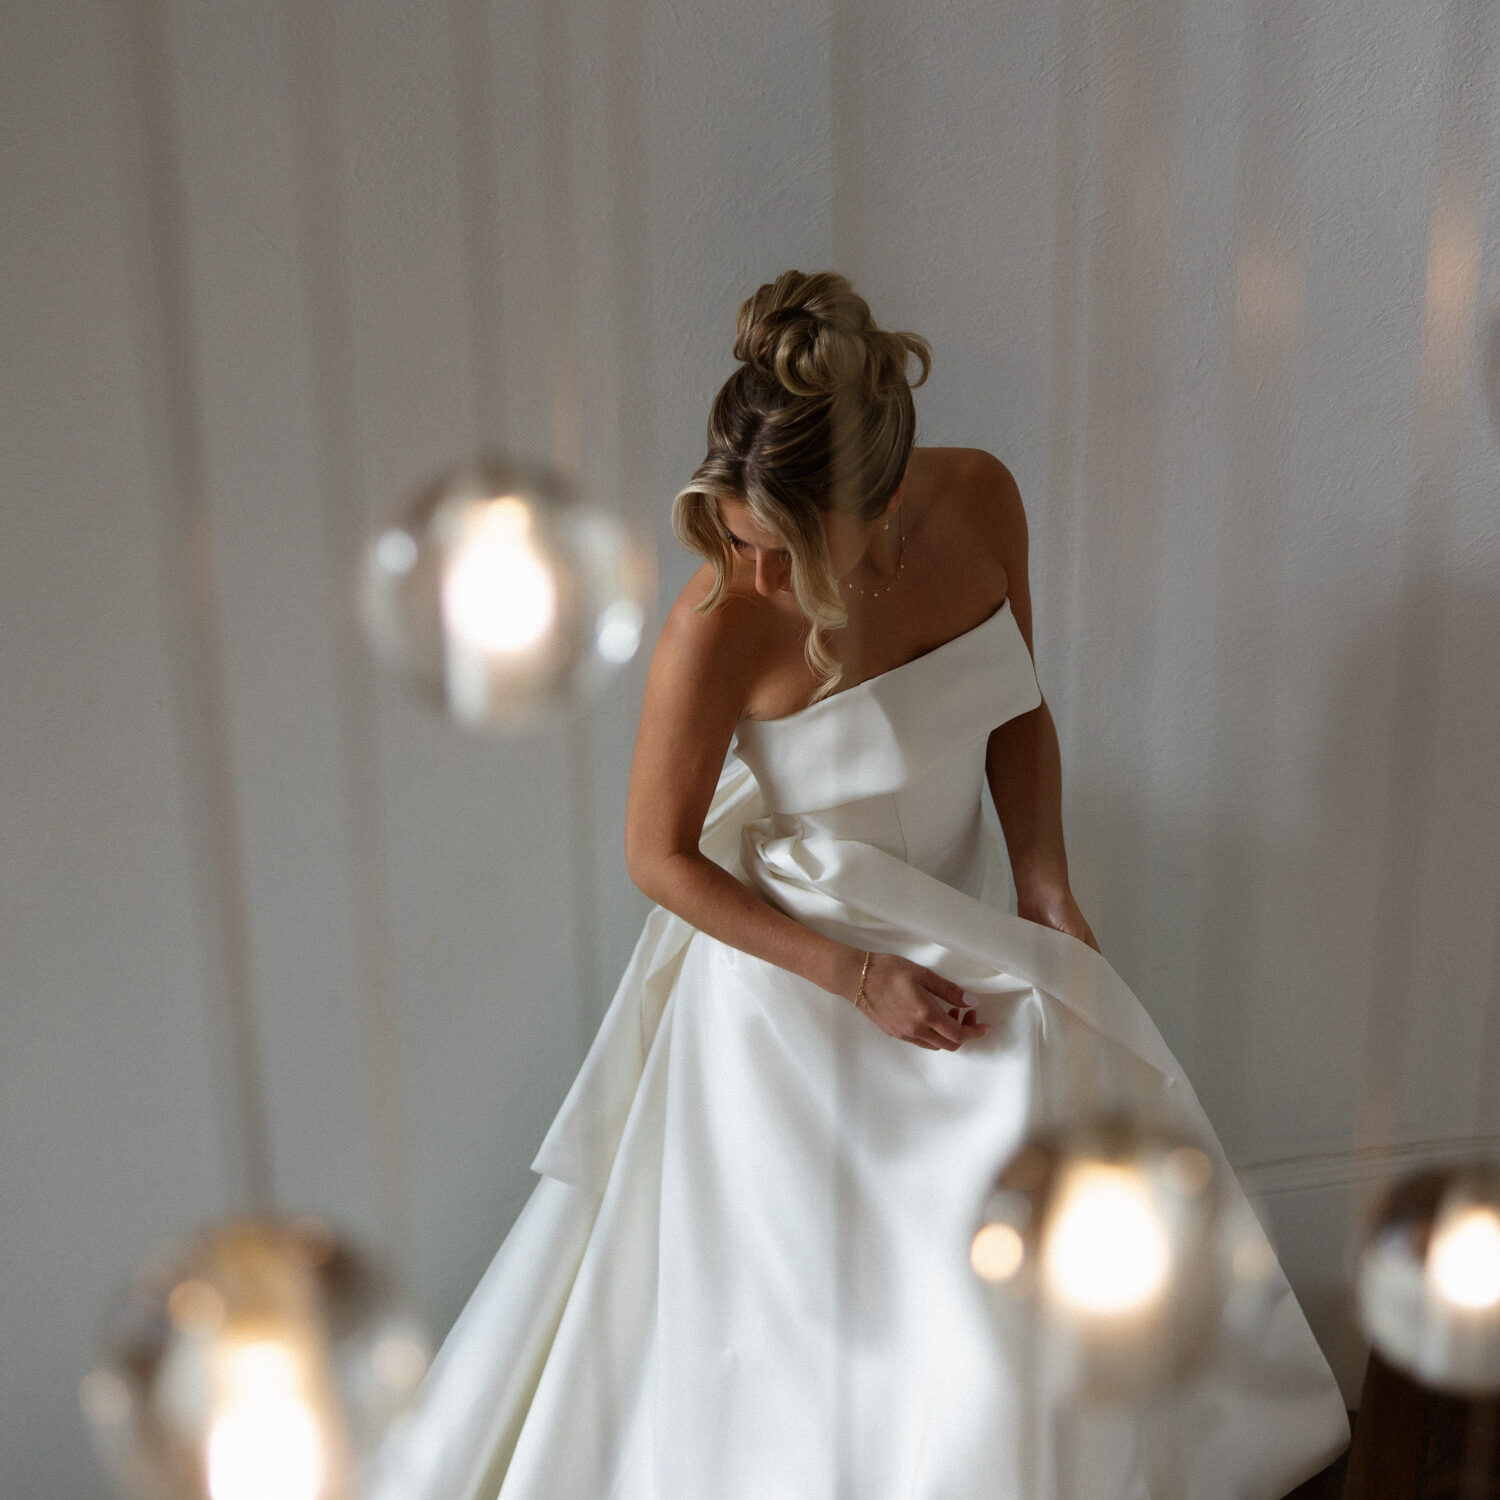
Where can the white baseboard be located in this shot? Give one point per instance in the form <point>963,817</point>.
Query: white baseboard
<point>1363,1165</point>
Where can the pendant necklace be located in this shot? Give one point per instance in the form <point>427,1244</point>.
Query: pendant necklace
<point>875,593</point>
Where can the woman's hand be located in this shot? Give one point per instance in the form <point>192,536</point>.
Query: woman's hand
<point>1057,908</point>
<point>915,1005</point>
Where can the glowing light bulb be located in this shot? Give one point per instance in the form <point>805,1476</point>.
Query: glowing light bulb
<point>1464,1260</point>
<point>265,1359</point>
<point>1427,1279</point>
<point>500,591</point>
<point>1107,1236</point>
<point>503,597</point>
<point>264,1443</point>
<point>1106,1249</point>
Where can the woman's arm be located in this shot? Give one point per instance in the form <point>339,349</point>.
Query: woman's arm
<point>699,681</point>
<point>1024,767</point>
<point>1023,762</point>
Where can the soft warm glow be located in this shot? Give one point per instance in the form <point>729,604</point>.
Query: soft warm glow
<point>1106,1249</point>
<point>196,1304</point>
<point>499,592</point>
<point>262,1368</point>
<point>997,1252</point>
<point>1463,1262</point>
<point>264,1442</point>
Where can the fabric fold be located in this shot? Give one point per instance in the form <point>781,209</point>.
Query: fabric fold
<point>859,894</point>
<point>580,1144</point>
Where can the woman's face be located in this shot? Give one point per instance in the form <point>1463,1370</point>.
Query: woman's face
<point>848,538</point>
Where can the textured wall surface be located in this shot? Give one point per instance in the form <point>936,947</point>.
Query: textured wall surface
<point>1212,279</point>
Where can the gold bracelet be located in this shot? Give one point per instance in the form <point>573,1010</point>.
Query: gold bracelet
<point>859,994</point>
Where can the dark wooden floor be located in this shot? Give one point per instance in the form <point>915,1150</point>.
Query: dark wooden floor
<point>1329,1485</point>
<point>1413,1444</point>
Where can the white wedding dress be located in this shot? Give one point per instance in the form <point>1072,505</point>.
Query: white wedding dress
<point>743,1274</point>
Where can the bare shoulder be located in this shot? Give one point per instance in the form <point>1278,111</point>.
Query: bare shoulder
<point>717,651</point>
<point>700,676</point>
<point>980,493</point>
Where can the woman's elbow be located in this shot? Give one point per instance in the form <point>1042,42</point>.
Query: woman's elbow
<point>664,874</point>
<point>647,866</point>
<point>637,864</point>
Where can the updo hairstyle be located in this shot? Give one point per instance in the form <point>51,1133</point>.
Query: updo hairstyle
<point>817,417</point>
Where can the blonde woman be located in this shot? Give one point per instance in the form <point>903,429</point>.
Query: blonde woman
<point>743,1274</point>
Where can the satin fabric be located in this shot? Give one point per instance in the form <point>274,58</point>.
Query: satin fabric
<point>744,1271</point>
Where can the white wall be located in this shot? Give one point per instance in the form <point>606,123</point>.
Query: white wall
<point>1210,278</point>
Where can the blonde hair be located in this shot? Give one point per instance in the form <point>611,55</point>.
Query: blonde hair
<point>818,417</point>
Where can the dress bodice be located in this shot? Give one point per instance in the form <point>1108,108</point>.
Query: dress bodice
<point>897,761</point>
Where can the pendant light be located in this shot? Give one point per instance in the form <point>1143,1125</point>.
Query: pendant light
<point>1109,1237</point>
<point>1427,1278</point>
<point>499,596</point>
<point>260,1360</point>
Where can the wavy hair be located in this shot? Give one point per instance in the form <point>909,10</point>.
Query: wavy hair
<point>818,417</point>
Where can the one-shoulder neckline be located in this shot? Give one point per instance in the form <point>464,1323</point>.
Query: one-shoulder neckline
<point>885,676</point>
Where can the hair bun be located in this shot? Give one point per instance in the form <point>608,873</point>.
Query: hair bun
<point>814,335</point>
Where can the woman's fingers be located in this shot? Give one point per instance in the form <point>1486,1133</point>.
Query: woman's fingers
<point>929,1036</point>
<point>943,1033</point>
<point>944,1019</point>
<point>949,998</point>
<point>946,1026</point>
<point>944,989</point>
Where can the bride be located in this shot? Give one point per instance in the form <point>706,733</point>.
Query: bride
<point>743,1273</point>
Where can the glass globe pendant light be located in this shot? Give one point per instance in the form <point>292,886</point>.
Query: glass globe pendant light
<point>1427,1278</point>
<point>1108,1238</point>
<point>262,1360</point>
<point>501,596</point>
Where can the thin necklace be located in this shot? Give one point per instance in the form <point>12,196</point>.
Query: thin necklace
<point>900,562</point>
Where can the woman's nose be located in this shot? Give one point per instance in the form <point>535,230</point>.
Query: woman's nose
<point>769,575</point>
